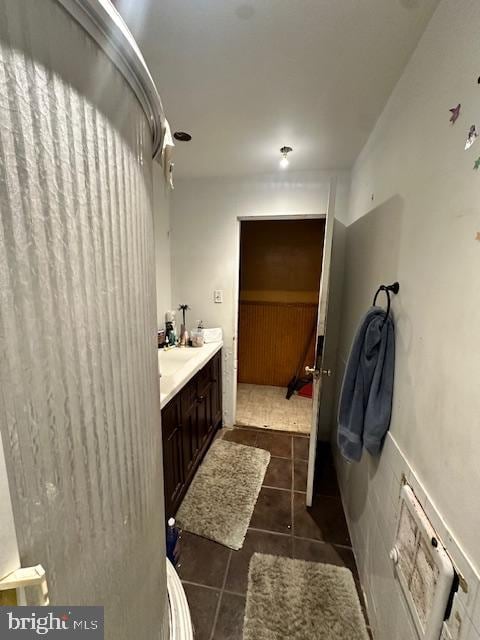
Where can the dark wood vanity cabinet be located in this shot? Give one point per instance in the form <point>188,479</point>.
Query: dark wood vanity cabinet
<point>173,450</point>
<point>189,422</point>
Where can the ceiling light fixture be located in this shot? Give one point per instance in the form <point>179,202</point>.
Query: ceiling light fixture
<point>284,162</point>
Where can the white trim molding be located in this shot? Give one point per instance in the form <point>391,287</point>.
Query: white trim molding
<point>104,24</point>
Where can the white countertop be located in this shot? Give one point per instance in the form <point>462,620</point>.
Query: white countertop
<point>178,366</point>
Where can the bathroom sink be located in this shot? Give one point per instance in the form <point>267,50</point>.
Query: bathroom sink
<point>179,355</point>
<point>177,366</point>
<point>172,360</point>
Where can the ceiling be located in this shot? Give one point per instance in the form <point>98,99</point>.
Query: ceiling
<point>246,77</point>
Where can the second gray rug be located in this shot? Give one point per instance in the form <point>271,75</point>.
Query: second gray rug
<point>301,600</point>
<point>221,499</point>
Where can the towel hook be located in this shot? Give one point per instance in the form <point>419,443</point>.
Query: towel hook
<point>394,288</point>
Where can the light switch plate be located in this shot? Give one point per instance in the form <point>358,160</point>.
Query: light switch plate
<point>218,296</point>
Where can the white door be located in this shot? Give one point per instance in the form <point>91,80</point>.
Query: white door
<point>317,367</point>
<point>9,557</point>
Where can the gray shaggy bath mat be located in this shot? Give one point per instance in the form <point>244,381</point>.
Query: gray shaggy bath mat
<point>220,501</point>
<point>301,600</point>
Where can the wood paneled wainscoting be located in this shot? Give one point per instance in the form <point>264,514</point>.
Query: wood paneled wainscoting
<point>272,337</point>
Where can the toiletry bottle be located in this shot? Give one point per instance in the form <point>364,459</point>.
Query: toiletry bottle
<point>173,550</point>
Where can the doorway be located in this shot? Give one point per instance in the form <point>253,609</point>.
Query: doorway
<point>280,271</point>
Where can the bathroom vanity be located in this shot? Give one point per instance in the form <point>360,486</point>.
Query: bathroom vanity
<point>191,403</point>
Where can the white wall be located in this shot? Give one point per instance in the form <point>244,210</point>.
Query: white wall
<point>204,241</point>
<point>161,221</point>
<point>421,230</point>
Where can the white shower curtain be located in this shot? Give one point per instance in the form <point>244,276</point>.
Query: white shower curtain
<point>79,407</point>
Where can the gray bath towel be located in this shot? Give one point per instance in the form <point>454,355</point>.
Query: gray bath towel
<point>366,399</point>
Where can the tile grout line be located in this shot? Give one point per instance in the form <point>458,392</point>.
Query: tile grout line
<point>275,533</point>
<point>203,586</point>
<point>291,457</point>
<point>332,544</point>
<point>222,590</point>
<point>267,486</point>
<point>236,593</point>
<point>288,535</point>
<point>282,457</point>
<point>206,586</point>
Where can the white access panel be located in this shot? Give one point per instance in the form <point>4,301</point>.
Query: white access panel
<point>422,567</point>
<point>9,558</point>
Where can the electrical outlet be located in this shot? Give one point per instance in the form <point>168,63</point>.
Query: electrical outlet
<point>218,296</point>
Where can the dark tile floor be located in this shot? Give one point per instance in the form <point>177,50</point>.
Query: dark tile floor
<point>215,578</point>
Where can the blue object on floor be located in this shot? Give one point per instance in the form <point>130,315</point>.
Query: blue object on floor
<point>173,550</point>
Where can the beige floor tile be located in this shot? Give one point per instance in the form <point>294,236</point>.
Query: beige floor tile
<point>267,407</point>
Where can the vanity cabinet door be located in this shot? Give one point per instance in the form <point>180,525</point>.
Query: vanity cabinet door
<point>190,436</point>
<point>216,393</point>
<point>174,476</point>
<point>204,415</point>
<point>204,411</point>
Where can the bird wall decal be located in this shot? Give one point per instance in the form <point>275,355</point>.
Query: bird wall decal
<point>455,113</point>
<point>471,137</point>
